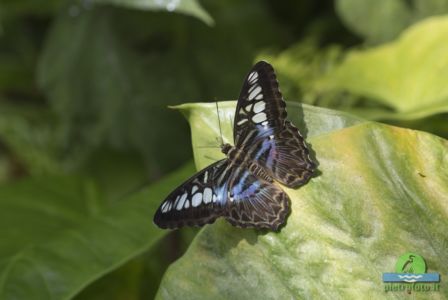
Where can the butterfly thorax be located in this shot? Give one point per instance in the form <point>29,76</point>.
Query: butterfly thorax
<point>225,148</point>
<point>238,157</point>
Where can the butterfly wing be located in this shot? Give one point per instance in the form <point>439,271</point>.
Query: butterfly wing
<point>233,191</point>
<point>261,129</point>
<point>195,202</point>
<point>260,104</point>
<point>285,156</point>
<point>256,203</point>
<point>224,190</point>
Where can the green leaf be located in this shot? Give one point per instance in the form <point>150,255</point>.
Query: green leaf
<point>140,277</point>
<point>58,234</point>
<point>408,75</point>
<point>382,20</point>
<point>381,191</point>
<point>205,131</point>
<point>28,132</point>
<point>188,7</point>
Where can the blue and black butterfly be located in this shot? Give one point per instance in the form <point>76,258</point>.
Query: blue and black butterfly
<point>241,188</point>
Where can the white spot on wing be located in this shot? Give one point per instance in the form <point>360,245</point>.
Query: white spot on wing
<point>187,204</point>
<point>207,195</point>
<point>259,97</point>
<point>242,121</point>
<point>259,117</point>
<point>248,107</point>
<point>253,76</point>
<point>205,176</point>
<point>214,198</point>
<point>259,106</point>
<point>252,88</point>
<point>254,93</point>
<point>196,200</point>
<point>185,195</point>
<point>164,207</point>
<point>180,204</point>
<point>194,189</point>
<point>177,199</point>
<point>229,196</point>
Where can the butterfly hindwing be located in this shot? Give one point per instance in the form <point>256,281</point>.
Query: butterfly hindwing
<point>254,202</point>
<point>194,203</point>
<point>285,157</point>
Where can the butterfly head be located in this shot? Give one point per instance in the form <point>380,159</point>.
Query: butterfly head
<point>225,148</point>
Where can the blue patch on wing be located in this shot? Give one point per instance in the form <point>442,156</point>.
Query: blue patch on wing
<point>264,131</point>
<point>250,191</point>
<point>272,154</point>
<point>244,189</point>
<point>269,146</point>
<point>221,194</point>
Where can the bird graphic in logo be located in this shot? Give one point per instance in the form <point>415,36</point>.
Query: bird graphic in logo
<point>407,266</point>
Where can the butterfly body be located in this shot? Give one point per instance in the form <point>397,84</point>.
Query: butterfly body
<point>242,187</point>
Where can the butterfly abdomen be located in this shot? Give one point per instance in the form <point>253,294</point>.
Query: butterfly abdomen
<point>259,172</point>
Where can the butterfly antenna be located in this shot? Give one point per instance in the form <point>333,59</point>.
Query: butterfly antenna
<point>219,123</point>
<point>211,158</point>
<point>231,121</point>
<point>207,147</point>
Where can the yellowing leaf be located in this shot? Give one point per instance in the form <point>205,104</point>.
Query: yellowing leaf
<point>410,74</point>
<point>381,191</point>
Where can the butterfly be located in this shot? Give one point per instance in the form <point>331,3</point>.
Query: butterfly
<point>242,187</point>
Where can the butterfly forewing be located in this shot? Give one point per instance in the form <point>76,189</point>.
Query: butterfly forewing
<point>195,202</point>
<point>260,104</point>
<point>265,134</point>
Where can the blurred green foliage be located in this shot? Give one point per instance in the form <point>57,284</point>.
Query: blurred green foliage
<point>89,148</point>
<point>383,20</point>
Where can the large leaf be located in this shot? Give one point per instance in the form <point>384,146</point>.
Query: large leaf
<point>58,234</point>
<point>408,75</point>
<point>189,7</point>
<point>381,191</point>
<point>382,20</point>
<point>140,277</point>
